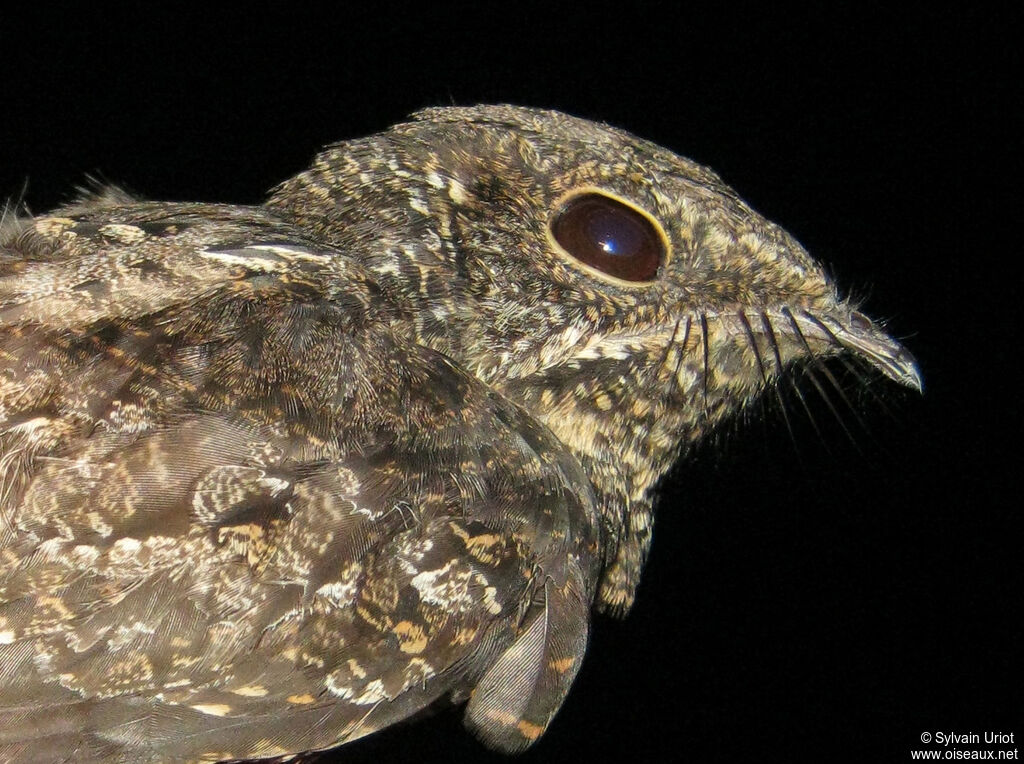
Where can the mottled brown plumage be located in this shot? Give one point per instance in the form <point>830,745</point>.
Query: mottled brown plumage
<point>272,478</point>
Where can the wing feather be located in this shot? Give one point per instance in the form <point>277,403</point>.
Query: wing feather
<point>241,515</point>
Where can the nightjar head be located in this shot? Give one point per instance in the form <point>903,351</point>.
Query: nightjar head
<point>623,295</point>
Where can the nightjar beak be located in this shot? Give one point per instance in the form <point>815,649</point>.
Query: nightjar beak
<point>864,339</point>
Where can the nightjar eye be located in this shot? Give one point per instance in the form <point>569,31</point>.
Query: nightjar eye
<point>610,236</point>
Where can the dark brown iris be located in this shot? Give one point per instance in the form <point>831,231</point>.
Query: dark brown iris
<point>610,236</point>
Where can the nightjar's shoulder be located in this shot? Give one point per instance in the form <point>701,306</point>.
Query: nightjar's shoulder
<point>100,260</point>
<point>241,507</point>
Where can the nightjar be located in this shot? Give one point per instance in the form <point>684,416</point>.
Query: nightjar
<point>273,478</point>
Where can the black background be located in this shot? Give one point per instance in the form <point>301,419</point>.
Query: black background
<point>810,598</point>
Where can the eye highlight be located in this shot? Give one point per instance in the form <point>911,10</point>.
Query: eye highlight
<point>610,236</point>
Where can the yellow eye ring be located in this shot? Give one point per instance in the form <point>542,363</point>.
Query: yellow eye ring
<point>609,237</point>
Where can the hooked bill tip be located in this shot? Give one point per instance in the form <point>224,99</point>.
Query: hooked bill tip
<point>903,369</point>
<point>881,351</point>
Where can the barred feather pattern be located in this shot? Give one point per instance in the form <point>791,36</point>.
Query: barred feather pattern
<point>274,478</point>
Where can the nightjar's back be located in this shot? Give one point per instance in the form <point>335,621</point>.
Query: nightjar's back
<point>272,478</point>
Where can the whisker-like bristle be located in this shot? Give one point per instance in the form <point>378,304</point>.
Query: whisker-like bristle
<point>830,376</point>
<point>773,342</point>
<point>865,383</point>
<point>752,340</point>
<point>704,340</point>
<point>671,344</point>
<point>817,364</point>
<point>682,347</point>
<point>821,325</point>
<point>794,385</point>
